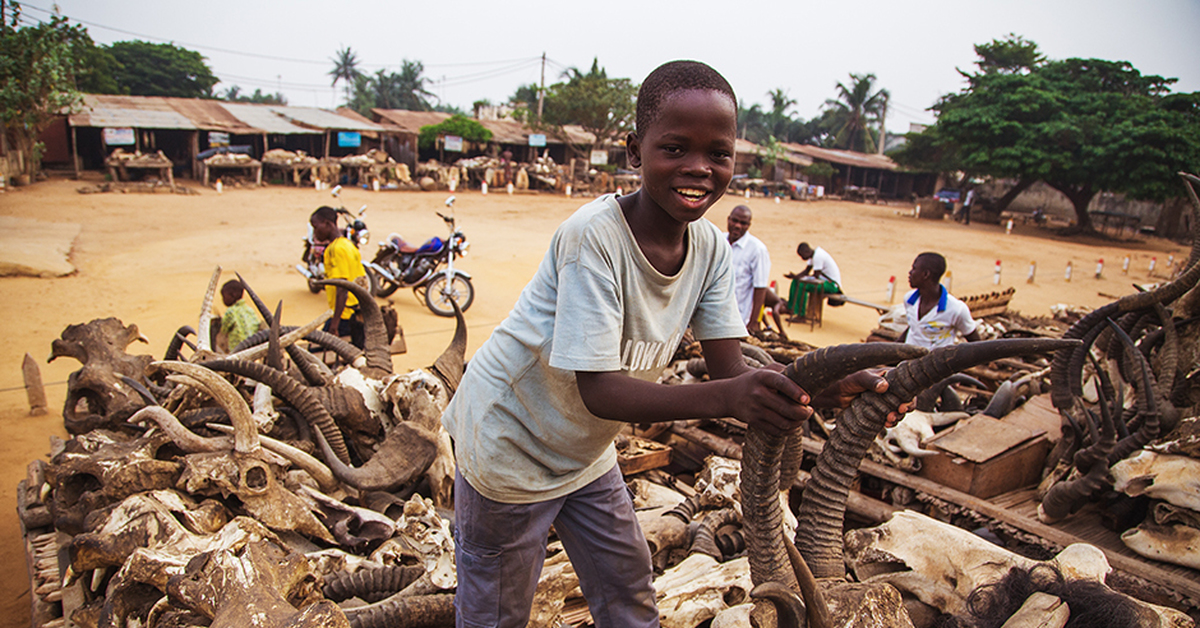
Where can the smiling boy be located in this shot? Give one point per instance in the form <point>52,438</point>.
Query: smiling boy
<point>577,358</point>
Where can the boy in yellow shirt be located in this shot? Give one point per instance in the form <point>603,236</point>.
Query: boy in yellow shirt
<point>342,261</point>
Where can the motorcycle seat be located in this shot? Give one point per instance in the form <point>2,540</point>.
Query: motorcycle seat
<point>434,245</point>
<point>400,245</point>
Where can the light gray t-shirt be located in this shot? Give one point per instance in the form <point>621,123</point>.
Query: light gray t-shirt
<point>521,431</point>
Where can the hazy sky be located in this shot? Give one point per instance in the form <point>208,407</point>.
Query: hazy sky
<point>485,50</point>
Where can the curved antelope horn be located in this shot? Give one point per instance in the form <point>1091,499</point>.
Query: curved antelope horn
<point>450,365</point>
<point>762,453</point>
<point>187,440</point>
<point>204,338</point>
<point>379,359</point>
<point>294,393</point>
<point>927,401</point>
<point>402,457</point>
<point>822,509</point>
<point>245,437</point>
<point>298,457</point>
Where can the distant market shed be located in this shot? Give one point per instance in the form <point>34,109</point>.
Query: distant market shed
<point>139,123</point>
<point>860,172</point>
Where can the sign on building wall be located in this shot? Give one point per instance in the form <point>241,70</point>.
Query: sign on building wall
<point>118,137</point>
<point>217,138</point>
<point>454,143</point>
<point>599,158</point>
<point>537,139</point>
<point>351,139</point>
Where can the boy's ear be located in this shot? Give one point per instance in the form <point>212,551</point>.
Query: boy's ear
<point>633,150</point>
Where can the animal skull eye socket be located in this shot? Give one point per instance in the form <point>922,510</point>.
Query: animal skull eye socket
<point>256,478</point>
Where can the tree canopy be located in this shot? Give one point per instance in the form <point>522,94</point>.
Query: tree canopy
<point>147,69</point>
<point>602,106</point>
<point>1080,125</point>
<point>345,69</point>
<point>458,124</point>
<point>38,66</point>
<point>234,94</point>
<point>853,112</point>
<point>393,90</point>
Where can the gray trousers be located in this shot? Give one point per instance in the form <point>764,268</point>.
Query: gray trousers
<point>500,549</point>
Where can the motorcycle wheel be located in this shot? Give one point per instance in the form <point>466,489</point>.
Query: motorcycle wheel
<point>381,286</point>
<point>439,293</point>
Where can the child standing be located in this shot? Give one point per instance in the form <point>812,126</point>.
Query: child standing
<point>342,261</point>
<point>239,321</point>
<point>542,400</point>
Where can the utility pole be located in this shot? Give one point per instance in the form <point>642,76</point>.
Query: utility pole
<point>542,90</point>
<point>882,129</point>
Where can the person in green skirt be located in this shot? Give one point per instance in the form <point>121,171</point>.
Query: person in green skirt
<point>820,273</point>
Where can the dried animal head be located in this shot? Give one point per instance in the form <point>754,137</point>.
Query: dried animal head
<point>96,396</point>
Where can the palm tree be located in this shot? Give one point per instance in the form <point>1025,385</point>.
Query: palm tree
<point>778,119</point>
<point>853,112</point>
<point>345,69</point>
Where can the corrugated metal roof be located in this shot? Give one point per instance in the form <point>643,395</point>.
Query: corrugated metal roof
<point>503,131</point>
<point>263,117</point>
<point>410,121</point>
<point>746,146</point>
<point>139,112</point>
<point>844,157</point>
<point>323,119</point>
<point>210,115</point>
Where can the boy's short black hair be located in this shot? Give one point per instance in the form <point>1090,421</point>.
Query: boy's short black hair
<point>233,288</point>
<point>326,213</point>
<point>672,77</point>
<point>934,263</point>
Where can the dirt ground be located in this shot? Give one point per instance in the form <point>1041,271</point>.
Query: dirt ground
<point>147,258</point>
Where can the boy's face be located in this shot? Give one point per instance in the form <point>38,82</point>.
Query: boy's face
<point>228,297</point>
<point>686,154</point>
<point>918,275</point>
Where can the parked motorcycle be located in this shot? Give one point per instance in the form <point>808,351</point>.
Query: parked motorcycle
<point>429,269</point>
<point>313,257</point>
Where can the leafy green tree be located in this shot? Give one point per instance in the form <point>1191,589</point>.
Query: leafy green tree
<point>525,100</point>
<point>147,69</point>
<point>602,106</point>
<point>1012,55</point>
<point>97,68</point>
<point>460,125</point>
<point>234,94</point>
<point>854,110</point>
<point>391,90</point>
<point>345,69</point>
<point>1080,125</point>
<point>38,66</point>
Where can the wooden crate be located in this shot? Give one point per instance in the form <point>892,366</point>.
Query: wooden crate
<point>635,454</point>
<point>985,457</point>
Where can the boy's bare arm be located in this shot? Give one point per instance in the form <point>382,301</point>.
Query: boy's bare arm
<point>761,397</point>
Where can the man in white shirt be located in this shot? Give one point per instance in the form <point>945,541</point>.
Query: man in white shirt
<point>934,315</point>
<point>822,272</point>
<point>751,267</point>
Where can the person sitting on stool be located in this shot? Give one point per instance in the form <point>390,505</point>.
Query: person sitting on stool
<point>821,273</point>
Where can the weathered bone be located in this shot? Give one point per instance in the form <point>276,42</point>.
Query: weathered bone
<point>96,395</point>
<point>1175,479</point>
<point>257,585</point>
<point>1178,544</point>
<point>941,564</point>
<point>245,436</point>
<point>97,469</point>
<point>696,589</point>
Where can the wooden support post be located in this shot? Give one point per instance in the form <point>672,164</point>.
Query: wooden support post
<point>33,386</point>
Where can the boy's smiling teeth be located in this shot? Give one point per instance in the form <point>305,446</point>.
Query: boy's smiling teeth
<point>691,192</point>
